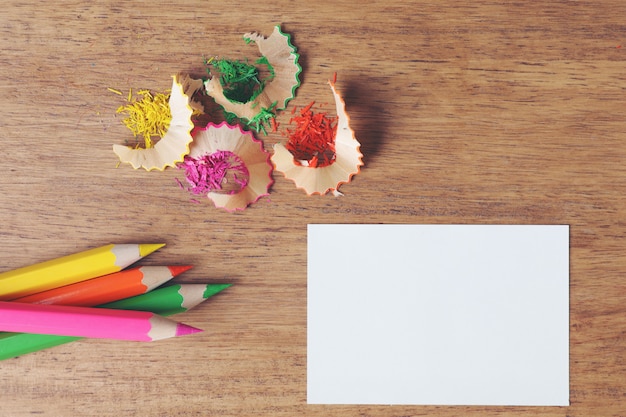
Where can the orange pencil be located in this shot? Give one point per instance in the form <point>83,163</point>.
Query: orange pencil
<point>107,288</point>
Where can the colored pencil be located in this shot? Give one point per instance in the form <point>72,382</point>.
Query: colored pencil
<point>107,288</point>
<point>186,296</point>
<point>70,269</point>
<point>165,301</point>
<point>100,323</point>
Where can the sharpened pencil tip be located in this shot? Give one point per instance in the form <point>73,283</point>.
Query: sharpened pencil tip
<point>184,329</point>
<point>146,249</point>
<point>179,269</point>
<point>212,289</point>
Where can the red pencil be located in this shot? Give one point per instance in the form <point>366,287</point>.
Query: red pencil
<point>107,288</point>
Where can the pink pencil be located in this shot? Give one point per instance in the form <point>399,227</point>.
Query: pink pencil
<point>89,322</point>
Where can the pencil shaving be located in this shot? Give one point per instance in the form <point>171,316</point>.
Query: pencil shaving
<point>174,143</point>
<point>227,165</point>
<point>337,169</point>
<point>280,56</point>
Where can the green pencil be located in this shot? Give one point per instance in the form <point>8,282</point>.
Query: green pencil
<point>165,301</point>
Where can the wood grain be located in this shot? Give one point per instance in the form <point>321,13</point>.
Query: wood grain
<point>468,112</point>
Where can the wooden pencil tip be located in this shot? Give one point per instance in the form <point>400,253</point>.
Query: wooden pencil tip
<point>184,329</point>
<point>146,249</point>
<point>179,269</point>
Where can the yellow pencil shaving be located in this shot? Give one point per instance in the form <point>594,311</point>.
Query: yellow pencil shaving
<point>113,90</point>
<point>148,117</point>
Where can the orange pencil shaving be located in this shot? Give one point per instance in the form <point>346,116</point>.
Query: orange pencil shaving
<point>107,288</point>
<point>322,152</point>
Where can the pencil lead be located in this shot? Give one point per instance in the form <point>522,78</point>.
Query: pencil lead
<point>179,269</point>
<point>212,289</point>
<point>146,249</point>
<point>184,329</point>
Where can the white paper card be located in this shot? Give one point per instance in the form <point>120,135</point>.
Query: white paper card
<point>438,314</point>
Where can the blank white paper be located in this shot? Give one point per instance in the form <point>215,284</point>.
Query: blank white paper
<point>438,314</point>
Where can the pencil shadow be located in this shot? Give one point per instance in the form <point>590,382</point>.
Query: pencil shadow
<point>212,112</point>
<point>368,116</point>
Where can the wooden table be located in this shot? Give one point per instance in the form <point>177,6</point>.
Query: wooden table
<point>468,112</point>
